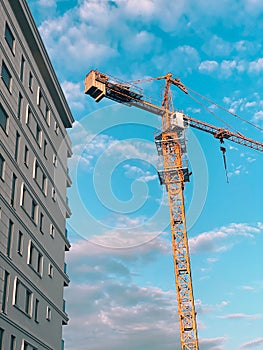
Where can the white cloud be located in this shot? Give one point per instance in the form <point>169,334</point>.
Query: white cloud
<point>213,343</point>
<point>258,116</point>
<point>110,308</point>
<point>67,43</point>
<point>47,3</point>
<point>256,66</point>
<point>252,343</point>
<point>208,66</point>
<point>223,304</point>
<point>109,314</point>
<point>241,316</point>
<point>212,260</point>
<point>250,104</point>
<point>145,242</point>
<point>138,173</point>
<point>86,147</point>
<point>253,6</point>
<point>250,288</point>
<point>228,67</point>
<point>222,239</point>
<point>217,46</point>
<point>74,94</point>
<point>181,59</point>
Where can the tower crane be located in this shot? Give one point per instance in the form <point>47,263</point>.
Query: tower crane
<point>171,147</point>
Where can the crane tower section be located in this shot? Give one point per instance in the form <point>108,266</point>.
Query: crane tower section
<point>174,172</point>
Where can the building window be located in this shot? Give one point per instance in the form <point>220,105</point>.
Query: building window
<point>30,81</point>
<point>20,242</point>
<point>17,146</point>
<point>23,297</point>
<point>13,190</point>
<point>38,135</point>
<point>45,149</point>
<point>55,160</point>
<point>2,167</point>
<point>35,259</point>
<point>6,76</point>
<point>36,311</point>
<point>47,115</point>
<point>1,339</point>
<point>50,270</point>
<point>41,222</point>
<point>5,291</point>
<point>41,102</point>
<point>19,108</point>
<point>29,204</point>
<point>40,177</point>
<point>39,96</point>
<point>44,184</point>
<point>28,115</point>
<point>3,118</point>
<point>34,208</point>
<point>26,156</point>
<point>22,68</point>
<point>54,194</point>
<point>9,37</point>
<point>56,127</point>
<point>23,193</point>
<point>27,346</point>
<point>13,342</point>
<point>48,313</point>
<point>52,230</point>
<point>28,301</point>
<point>65,268</point>
<point>10,238</point>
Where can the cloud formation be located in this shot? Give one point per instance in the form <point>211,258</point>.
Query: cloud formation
<point>113,311</point>
<point>223,238</point>
<point>255,343</point>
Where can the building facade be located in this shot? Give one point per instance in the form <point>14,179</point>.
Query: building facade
<point>34,148</point>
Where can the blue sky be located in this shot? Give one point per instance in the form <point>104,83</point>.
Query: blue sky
<point>122,293</point>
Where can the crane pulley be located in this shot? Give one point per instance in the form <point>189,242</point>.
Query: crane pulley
<point>171,147</point>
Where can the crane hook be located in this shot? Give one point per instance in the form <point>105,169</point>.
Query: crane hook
<point>223,150</point>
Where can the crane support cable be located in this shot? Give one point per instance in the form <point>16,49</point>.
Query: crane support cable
<point>213,113</point>
<point>225,109</point>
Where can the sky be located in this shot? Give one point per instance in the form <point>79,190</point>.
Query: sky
<point>122,290</point>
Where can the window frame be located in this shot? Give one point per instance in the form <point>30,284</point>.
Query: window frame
<point>20,243</point>
<point>13,190</point>
<point>6,74</point>
<point>2,167</point>
<point>27,306</point>
<point>5,291</point>
<point>22,68</point>
<point>30,81</point>
<point>3,114</point>
<point>9,35</point>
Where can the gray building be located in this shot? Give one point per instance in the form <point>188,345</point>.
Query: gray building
<point>34,148</point>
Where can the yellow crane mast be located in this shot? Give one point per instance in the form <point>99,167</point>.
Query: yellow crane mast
<point>171,147</point>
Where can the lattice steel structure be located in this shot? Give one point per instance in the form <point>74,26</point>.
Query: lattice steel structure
<point>171,147</point>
